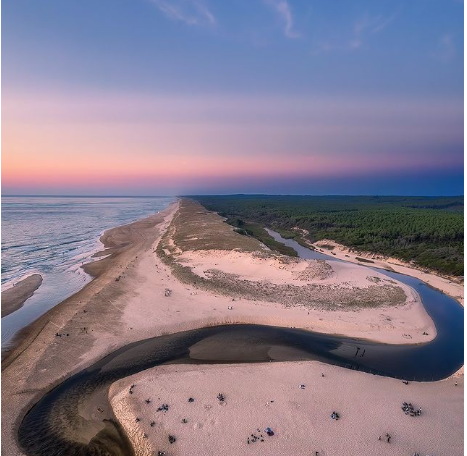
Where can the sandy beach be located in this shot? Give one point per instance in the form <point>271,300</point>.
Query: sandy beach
<point>269,395</point>
<point>14,297</point>
<point>184,268</point>
<point>233,228</point>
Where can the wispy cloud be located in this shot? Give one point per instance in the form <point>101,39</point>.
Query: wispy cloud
<point>282,7</point>
<point>361,31</point>
<point>191,12</point>
<point>372,24</point>
<point>366,26</point>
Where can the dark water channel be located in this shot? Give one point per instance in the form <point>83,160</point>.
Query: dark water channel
<point>54,427</point>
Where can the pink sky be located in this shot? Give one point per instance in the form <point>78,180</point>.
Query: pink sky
<point>95,140</point>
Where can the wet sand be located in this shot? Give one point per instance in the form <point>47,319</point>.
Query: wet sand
<point>39,359</point>
<point>128,301</point>
<point>14,298</point>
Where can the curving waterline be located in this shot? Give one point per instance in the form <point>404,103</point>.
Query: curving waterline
<point>446,313</point>
<point>56,427</point>
<point>53,427</point>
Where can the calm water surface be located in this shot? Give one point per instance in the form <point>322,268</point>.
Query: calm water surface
<point>54,236</point>
<point>433,361</point>
<point>45,427</point>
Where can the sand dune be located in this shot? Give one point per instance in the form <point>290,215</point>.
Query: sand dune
<point>154,282</point>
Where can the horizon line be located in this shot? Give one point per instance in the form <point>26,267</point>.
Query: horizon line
<point>232,194</point>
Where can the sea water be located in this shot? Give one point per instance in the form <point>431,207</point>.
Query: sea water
<point>55,236</point>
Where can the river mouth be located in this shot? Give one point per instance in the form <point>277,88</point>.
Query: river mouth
<point>55,426</point>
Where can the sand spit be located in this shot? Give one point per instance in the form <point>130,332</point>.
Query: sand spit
<point>269,395</point>
<point>13,298</point>
<point>260,286</point>
<point>146,287</point>
<point>452,286</point>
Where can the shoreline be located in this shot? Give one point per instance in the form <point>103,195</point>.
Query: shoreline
<point>14,297</point>
<point>76,275</point>
<point>40,361</point>
<point>126,302</point>
<point>111,248</point>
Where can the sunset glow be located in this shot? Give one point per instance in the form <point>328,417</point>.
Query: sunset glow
<point>180,135</point>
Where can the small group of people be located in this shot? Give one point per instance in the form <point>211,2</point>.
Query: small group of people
<point>335,416</point>
<point>258,436</point>
<point>409,409</point>
<point>387,437</point>
<point>163,408</point>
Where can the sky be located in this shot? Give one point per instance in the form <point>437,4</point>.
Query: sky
<point>163,97</point>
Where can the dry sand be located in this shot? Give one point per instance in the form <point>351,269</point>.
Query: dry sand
<point>127,302</point>
<point>268,395</point>
<point>267,288</point>
<point>13,298</point>
<point>452,286</point>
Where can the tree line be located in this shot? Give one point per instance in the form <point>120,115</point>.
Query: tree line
<point>428,231</point>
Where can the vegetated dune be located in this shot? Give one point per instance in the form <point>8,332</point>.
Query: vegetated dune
<point>204,251</point>
<point>166,274</point>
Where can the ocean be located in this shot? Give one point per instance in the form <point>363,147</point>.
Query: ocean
<point>54,236</point>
